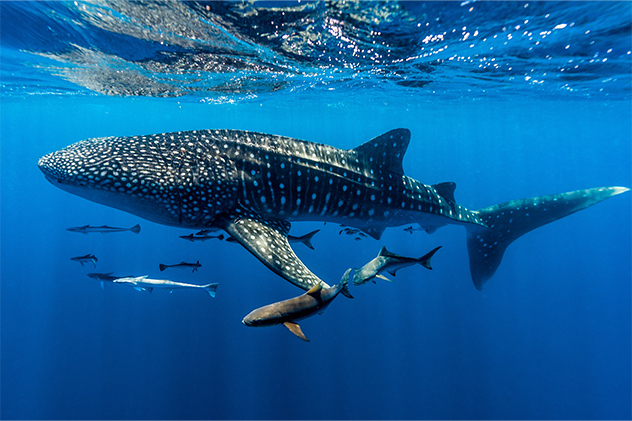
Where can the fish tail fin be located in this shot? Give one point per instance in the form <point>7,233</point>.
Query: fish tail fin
<point>135,229</point>
<point>220,237</point>
<point>211,288</point>
<point>510,220</point>
<point>344,284</point>
<point>425,259</point>
<point>162,267</point>
<point>307,239</point>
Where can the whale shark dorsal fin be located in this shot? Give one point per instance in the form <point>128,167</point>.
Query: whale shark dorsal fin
<point>446,190</point>
<point>296,329</point>
<point>315,289</point>
<point>267,240</point>
<point>386,151</point>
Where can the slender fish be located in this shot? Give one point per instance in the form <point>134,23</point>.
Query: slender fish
<point>143,283</point>
<point>288,312</point>
<point>103,277</point>
<point>193,237</point>
<point>305,239</point>
<point>182,265</point>
<point>103,229</point>
<point>391,263</point>
<point>86,259</point>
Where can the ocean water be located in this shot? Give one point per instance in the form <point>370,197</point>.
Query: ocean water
<point>507,99</point>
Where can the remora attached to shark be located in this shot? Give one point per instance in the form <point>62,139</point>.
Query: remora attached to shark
<point>288,312</point>
<point>252,185</point>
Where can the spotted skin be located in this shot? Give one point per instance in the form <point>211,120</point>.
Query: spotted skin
<point>253,185</point>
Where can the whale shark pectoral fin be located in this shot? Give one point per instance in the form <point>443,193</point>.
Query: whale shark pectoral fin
<point>267,241</point>
<point>296,329</point>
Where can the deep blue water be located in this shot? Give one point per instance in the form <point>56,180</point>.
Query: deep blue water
<point>507,117</point>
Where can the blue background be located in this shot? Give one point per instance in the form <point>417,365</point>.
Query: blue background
<point>549,337</point>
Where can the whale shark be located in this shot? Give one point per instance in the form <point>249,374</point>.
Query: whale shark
<point>253,185</point>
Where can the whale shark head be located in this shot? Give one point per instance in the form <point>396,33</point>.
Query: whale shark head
<point>177,179</point>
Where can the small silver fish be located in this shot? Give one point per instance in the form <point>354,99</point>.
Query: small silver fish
<point>305,239</point>
<point>193,237</point>
<point>103,229</point>
<point>206,231</point>
<point>288,312</point>
<point>143,283</point>
<point>181,265</point>
<point>85,259</point>
<point>410,229</point>
<point>390,262</point>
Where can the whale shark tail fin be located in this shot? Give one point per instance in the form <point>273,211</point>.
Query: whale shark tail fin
<point>508,221</point>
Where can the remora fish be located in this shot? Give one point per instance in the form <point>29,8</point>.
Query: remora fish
<point>196,237</point>
<point>103,229</point>
<point>288,312</point>
<point>410,229</point>
<point>182,265</point>
<point>103,277</point>
<point>143,283</point>
<point>85,259</point>
<point>305,239</point>
<point>391,263</point>
<point>252,185</point>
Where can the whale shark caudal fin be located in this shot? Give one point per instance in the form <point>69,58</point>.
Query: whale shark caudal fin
<point>508,221</point>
